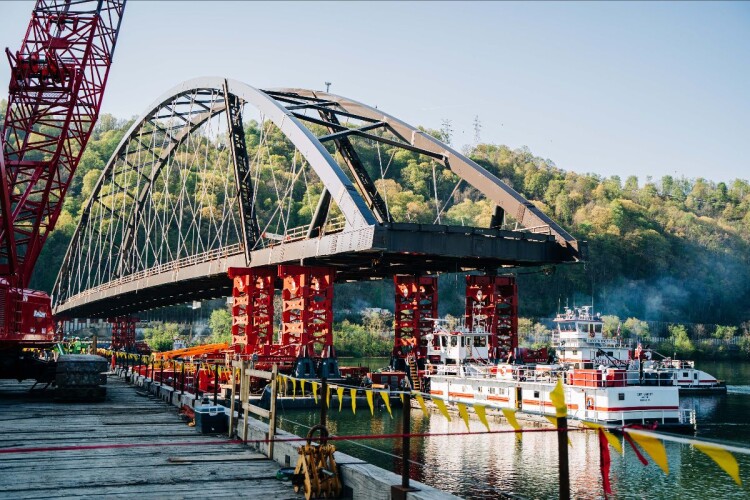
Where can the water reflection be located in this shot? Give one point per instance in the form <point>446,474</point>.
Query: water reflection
<point>480,466</point>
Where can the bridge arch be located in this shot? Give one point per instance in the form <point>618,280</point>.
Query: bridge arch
<point>105,261</point>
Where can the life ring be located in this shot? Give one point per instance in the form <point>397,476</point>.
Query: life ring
<point>589,403</point>
<point>591,335</point>
<point>503,371</point>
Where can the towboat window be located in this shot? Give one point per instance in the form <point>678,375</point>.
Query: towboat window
<point>480,341</point>
<point>575,351</point>
<point>695,376</point>
<point>621,396</point>
<point>444,341</point>
<point>536,394</point>
<point>610,353</point>
<point>685,374</point>
<point>454,341</point>
<point>598,328</point>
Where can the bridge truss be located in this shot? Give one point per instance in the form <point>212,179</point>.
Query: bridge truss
<point>218,174</point>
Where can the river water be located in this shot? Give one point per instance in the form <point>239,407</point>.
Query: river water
<point>481,466</point>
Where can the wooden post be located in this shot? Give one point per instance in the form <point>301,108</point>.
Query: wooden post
<point>562,451</point>
<point>245,398</point>
<point>93,344</point>
<point>406,442</point>
<point>182,381</point>
<point>272,408</point>
<point>323,406</point>
<point>231,402</point>
<point>400,491</point>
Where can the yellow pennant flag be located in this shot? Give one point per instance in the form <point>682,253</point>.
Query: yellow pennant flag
<point>510,416</point>
<point>723,459</point>
<point>340,393</point>
<point>302,386</point>
<point>611,438</point>
<point>420,400</point>
<point>328,397</point>
<point>653,447</point>
<point>482,414</point>
<point>557,396</point>
<point>553,421</point>
<point>386,399</point>
<point>294,387</point>
<point>369,402</point>
<point>441,406</point>
<point>353,394</point>
<point>401,395</point>
<point>464,414</point>
<point>315,391</point>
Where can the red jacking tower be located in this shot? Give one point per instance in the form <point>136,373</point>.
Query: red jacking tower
<point>56,86</point>
<point>123,333</point>
<point>305,344</point>
<point>416,305</point>
<point>492,306</point>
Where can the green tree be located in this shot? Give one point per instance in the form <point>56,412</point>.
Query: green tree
<point>610,326</point>
<point>634,327</point>
<point>220,324</point>
<point>683,346</point>
<point>161,337</point>
<point>725,332</point>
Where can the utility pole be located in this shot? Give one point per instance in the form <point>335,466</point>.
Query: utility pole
<point>328,86</point>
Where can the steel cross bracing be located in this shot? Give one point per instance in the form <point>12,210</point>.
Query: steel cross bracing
<point>57,82</point>
<point>187,194</point>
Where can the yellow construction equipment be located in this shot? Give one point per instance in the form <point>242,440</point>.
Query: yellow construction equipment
<point>316,472</point>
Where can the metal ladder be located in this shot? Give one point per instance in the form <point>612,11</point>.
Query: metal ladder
<point>414,373</point>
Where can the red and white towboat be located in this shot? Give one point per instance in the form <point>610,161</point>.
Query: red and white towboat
<point>579,342</point>
<point>458,371</point>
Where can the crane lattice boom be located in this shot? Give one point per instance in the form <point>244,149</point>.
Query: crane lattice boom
<point>56,86</point>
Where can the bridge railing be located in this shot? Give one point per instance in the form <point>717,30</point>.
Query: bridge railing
<point>190,260</point>
<point>334,225</point>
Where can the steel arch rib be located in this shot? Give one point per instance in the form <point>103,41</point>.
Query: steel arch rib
<point>352,206</point>
<point>525,212</point>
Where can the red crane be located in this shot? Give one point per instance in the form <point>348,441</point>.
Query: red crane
<point>56,87</point>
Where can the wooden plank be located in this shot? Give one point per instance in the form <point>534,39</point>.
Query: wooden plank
<point>235,457</point>
<point>179,463</point>
<point>257,410</point>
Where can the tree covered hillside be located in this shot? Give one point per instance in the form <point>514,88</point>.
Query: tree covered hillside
<point>669,249</point>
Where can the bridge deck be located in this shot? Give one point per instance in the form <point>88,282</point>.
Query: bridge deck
<point>166,457</point>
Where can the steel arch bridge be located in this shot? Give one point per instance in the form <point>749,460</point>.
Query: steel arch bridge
<point>218,174</point>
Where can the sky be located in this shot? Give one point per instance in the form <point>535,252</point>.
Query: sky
<point>612,88</point>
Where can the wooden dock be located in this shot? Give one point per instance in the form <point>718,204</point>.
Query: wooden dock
<point>130,445</point>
